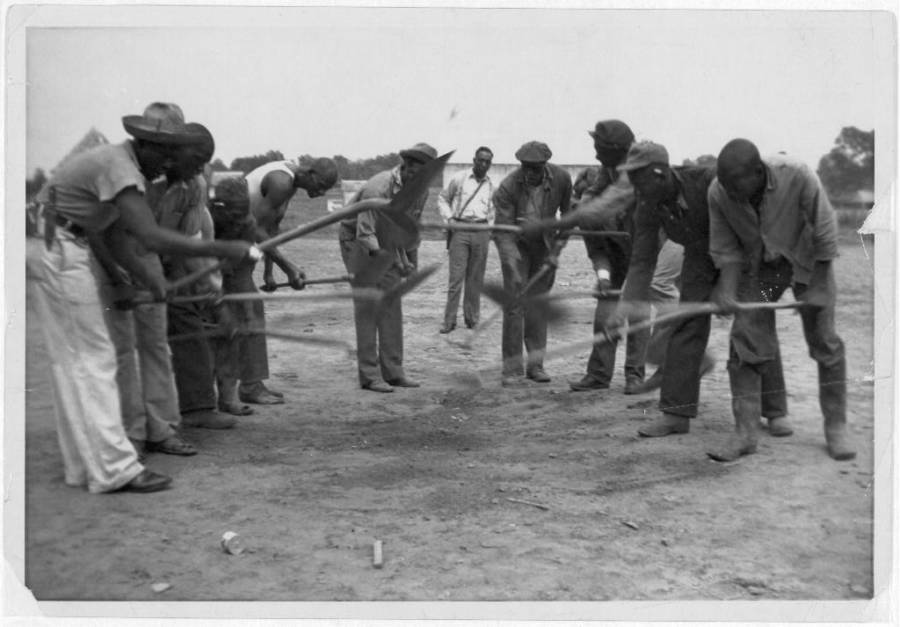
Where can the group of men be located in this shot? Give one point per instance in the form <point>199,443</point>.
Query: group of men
<point>138,215</point>
<point>128,374</point>
<point>747,229</point>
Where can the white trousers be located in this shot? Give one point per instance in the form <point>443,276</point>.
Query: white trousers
<point>95,449</point>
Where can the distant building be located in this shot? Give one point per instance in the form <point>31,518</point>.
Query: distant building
<point>499,171</point>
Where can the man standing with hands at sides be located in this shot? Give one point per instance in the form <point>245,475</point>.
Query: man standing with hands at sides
<point>94,192</point>
<point>467,200</point>
<point>271,187</point>
<point>529,194</point>
<point>675,200</point>
<point>771,226</point>
<point>379,326</point>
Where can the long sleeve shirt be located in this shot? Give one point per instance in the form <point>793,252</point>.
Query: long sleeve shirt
<point>684,219</point>
<point>466,198</point>
<point>362,227</point>
<point>517,203</point>
<point>795,220</point>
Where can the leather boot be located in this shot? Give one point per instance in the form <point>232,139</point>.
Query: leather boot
<point>833,401</point>
<point>745,404</point>
<point>666,424</point>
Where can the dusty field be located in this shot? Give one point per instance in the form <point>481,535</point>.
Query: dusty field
<point>430,472</point>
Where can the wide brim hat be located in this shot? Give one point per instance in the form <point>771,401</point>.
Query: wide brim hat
<point>162,123</point>
<point>421,152</point>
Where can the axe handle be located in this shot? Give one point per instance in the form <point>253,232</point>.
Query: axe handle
<point>336,279</point>
<point>347,212</point>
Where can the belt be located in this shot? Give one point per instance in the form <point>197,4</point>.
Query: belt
<point>70,226</point>
<point>468,221</point>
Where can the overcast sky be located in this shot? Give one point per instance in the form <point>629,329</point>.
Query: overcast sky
<point>366,81</point>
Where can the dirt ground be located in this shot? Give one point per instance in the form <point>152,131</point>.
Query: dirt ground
<point>434,474</point>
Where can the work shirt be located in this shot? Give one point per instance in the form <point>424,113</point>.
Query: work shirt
<point>795,221</point>
<point>87,184</point>
<point>181,207</point>
<point>684,220</point>
<point>516,204</point>
<point>464,190</point>
<point>361,227</point>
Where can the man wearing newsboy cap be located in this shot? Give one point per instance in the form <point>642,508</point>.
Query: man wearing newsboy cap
<point>529,194</point>
<point>675,199</point>
<point>379,326</point>
<point>89,196</point>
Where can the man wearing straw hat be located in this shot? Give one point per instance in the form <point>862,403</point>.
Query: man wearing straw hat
<point>379,328</point>
<point>529,194</point>
<point>94,192</point>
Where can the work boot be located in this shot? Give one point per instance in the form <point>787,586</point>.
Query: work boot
<point>537,374</point>
<point>780,427</point>
<point>833,401</point>
<point>666,424</point>
<point>839,445</point>
<point>586,383</point>
<point>745,405</point>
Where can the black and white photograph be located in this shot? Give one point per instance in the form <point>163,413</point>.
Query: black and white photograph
<point>541,311</point>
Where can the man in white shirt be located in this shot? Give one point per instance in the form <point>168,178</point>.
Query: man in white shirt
<point>467,199</point>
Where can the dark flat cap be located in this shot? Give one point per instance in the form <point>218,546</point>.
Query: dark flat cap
<point>613,132</point>
<point>642,154</point>
<point>534,152</point>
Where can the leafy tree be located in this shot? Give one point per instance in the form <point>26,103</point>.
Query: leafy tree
<point>850,166</point>
<point>218,166</point>
<point>246,164</point>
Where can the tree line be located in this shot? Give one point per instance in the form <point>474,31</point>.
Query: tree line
<point>847,169</point>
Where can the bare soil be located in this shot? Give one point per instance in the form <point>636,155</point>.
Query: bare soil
<point>439,473</point>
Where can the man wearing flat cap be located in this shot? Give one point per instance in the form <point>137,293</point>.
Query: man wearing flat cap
<point>379,327</point>
<point>90,195</point>
<point>608,205</point>
<point>674,199</point>
<point>529,194</point>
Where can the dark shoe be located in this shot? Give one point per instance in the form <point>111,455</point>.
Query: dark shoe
<point>513,381</point>
<point>780,427</point>
<point>259,394</point>
<point>403,382</point>
<point>258,390</point>
<point>447,328</point>
<point>378,386</point>
<point>631,383</point>
<point>140,447</point>
<point>172,445</point>
<point>538,375</point>
<point>667,424</point>
<point>207,420</point>
<point>587,383</point>
<point>736,446</point>
<point>648,385</point>
<point>147,481</point>
<point>470,324</point>
<point>839,446</point>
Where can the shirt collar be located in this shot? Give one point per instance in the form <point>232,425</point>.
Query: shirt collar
<point>487,177</point>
